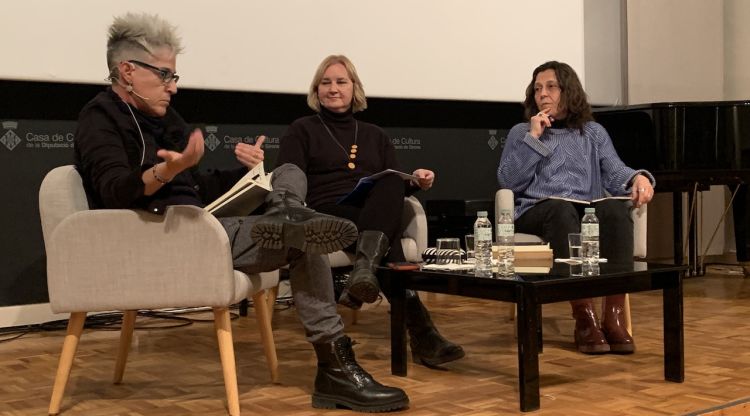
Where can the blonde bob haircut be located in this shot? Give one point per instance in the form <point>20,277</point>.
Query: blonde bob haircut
<point>359,102</point>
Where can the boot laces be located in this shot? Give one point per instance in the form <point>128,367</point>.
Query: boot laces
<point>345,354</point>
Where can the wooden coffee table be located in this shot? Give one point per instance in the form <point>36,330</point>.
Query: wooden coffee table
<point>529,292</point>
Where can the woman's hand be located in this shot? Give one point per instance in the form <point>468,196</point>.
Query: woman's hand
<point>539,122</point>
<point>642,191</point>
<point>250,155</point>
<point>424,178</point>
<point>176,162</point>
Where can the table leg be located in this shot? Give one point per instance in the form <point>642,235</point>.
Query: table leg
<point>528,349</point>
<point>674,348</point>
<point>398,323</point>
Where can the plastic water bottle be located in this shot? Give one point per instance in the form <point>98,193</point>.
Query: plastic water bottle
<point>506,253</point>
<point>590,236</point>
<point>483,245</point>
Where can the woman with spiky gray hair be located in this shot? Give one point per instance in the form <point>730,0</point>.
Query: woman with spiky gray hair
<point>135,152</point>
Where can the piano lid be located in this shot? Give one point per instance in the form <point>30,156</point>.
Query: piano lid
<point>708,140</point>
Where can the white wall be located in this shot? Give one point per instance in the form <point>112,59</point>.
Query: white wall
<point>675,50</point>
<point>451,49</point>
<point>603,46</point>
<point>736,51</point>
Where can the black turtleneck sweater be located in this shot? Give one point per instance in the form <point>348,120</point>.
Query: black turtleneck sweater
<point>307,144</point>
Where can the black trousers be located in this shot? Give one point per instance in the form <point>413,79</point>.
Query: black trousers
<point>553,219</point>
<point>381,211</point>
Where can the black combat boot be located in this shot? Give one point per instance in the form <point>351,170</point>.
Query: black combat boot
<point>363,284</point>
<point>428,347</point>
<point>341,382</point>
<point>287,222</point>
<point>340,282</point>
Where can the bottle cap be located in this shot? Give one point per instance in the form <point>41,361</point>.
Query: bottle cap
<point>481,213</point>
<point>589,210</point>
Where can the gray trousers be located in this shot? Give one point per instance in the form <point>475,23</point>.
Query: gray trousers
<point>309,274</point>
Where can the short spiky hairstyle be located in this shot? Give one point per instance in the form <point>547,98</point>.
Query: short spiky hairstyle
<point>359,101</point>
<point>137,36</point>
<point>572,96</point>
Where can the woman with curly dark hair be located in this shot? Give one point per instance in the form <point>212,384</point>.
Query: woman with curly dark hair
<point>562,152</point>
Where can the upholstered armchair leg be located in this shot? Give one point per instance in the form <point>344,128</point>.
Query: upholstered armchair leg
<point>271,295</point>
<point>263,316</point>
<point>223,326</point>
<point>70,345</point>
<point>512,317</point>
<point>626,309</point>
<point>126,336</point>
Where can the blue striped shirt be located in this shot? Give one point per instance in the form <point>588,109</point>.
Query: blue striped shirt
<point>562,162</point>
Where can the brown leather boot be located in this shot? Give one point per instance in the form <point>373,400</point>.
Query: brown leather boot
<point>588,334</point>
<point>614,327</point>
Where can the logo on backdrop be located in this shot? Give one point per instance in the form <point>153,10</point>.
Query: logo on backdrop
<point>493,142</point>
<point>406,143</point>
<point>212,142</point>
<point>10,139</point>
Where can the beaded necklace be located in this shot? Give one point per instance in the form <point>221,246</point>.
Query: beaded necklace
<point>352,154</point>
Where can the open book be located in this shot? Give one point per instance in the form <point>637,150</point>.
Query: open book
<point>246,195</point>
<point>364,185</point>
<point>580,201</point>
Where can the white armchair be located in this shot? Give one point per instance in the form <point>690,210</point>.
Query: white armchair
<point>104,260</point>
<point>504,200</point>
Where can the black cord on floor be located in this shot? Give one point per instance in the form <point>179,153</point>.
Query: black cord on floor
<point>112,321</point>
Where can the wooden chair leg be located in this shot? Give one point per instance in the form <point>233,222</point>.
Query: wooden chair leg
<point>223,325</point>
<point>271,295</point>
<point>70,345</point>
<point>354,315</point>
<point>263,316</point>
<point>628,322</point>
<point>126,336</point>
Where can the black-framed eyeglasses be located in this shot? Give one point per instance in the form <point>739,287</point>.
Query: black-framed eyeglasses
<point>165,74</point>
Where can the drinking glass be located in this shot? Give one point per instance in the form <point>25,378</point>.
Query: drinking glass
<point>469,239</point>
<point>448,251</point>
<point>574,246</point>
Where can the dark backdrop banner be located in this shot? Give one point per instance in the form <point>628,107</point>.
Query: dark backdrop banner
<point>460,141</point>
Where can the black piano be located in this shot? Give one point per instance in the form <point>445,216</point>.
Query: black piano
<point>687,146</point>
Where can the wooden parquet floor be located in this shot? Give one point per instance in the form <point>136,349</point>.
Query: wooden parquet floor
<point>177,372</point>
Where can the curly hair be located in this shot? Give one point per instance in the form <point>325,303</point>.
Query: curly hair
<point>359,101</point>
<point>137,36</point>
<point>572,96</point>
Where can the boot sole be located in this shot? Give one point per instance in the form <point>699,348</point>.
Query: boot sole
<point>590,349</point>
<point>315,236</point>
<point>331,402</point>
<point>364,291</point>
<point>622,348</point>
<point>434,363</point>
